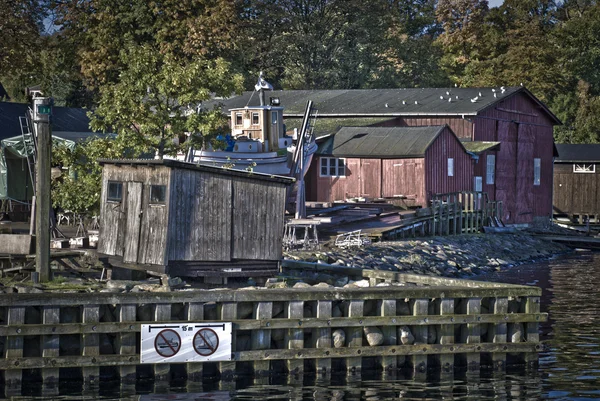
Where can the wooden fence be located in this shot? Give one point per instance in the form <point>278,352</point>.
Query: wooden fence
<point>454,322</point>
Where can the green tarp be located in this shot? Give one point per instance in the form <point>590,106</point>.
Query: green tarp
<point>15,179</point>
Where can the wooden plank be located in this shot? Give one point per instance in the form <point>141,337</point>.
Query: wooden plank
<point>162,313</point>
<point>50,343</point>
<point>295,336</point>
<point>354,337</point>
<point>228,314</point>
<point>446,335</point>
<point>499,306</point>
<point>261,339</point>
<point>532,334</point>
<point>91,342</point>
<point>473,307</point>
<point>419,307</point>
<point>132,230</point>
<point>14,347</point>
<point>195,313</point>
<point>390,335</point>
<point>127,341</point>
<point>323,336</point>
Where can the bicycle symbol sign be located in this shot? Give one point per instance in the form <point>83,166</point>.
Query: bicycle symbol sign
<point>206,342</point>
<point>167,343</point>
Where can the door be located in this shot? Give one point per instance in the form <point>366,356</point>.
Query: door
<point>132,228</point>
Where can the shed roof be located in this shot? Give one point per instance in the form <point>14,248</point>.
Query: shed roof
<point>199,167</point>
<point>64,119</point>
<point>578,152</point>
<point>381,142</point>
<point>386,102</point>
<point>479,146</point>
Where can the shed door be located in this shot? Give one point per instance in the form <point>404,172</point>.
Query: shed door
<point>132,229</point>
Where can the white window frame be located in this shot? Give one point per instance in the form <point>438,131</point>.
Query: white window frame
<point>450,167</point>
<point>340,171</point>
<point>537,171</point>
<point>257,115</point>
<point>239,118</point>
<point>584,168</point>
<point>490,170</point>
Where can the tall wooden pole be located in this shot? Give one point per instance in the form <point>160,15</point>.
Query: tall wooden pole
<point>42,111</point>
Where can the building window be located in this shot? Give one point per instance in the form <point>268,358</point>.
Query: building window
<point>478,184</point>
<point>238,119</point>
<point>490,172</point>
<point>274,117</point>
<point>450,167</point>
<point>115,191</point>
<point>333,167</point>
<point>158,193</point>
<point>255,119</point>
<point>537,169</point>
<point>584,168</point>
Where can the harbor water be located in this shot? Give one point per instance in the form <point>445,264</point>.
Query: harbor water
<point>569,366</point>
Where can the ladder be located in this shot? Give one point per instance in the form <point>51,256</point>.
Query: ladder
<point>28,139</point>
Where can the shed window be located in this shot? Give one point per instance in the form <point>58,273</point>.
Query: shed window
<point>490,169</point>
<point>255,119</point>
<point>537,167</point>
<point>450,167</point>
<point>584,168</point>
<point>238,118</point>
<point>478,184</point>
<point>158,193</point>
<point>333,167</point>
<point>115,191</point>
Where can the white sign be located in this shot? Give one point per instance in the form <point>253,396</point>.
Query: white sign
<point>190,342</point>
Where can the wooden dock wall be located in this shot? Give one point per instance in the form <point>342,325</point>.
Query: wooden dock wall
<point>454,323</point>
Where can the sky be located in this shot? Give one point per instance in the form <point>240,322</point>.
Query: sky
<point>495,3</point>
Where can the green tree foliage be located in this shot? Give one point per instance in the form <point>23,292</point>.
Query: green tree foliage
<point>154,102</point>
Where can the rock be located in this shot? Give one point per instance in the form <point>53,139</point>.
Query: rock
<point>362,283</point>
<point>339,338</point>
<point>323,285</point>
<point>120,284</point>
<point>406,336</point>
<point>374,336</point>
<point>341,282</point>
<point>515,332</point>
<point>22,289</point>
<point>336,311</point>
<point>278,334</point>
<point>301,284</point>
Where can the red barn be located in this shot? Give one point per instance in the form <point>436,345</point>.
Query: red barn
<point>377,162</point>
<point>512,129</point>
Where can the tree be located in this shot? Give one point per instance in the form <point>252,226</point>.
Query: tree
<point>154,102</point>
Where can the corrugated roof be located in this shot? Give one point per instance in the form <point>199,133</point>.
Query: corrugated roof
<point>201,167</point>
<point>65,119</point>
<point>380,142</point>
<point>326,126</point>
<point>384,102</point>
<point>479,146</point>
<point>578,152</point>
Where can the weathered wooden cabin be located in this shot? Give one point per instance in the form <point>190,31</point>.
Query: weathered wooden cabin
<point>411,163</point>
<point>577,182</point>
<point>191,220</point>
<point>517,172</point>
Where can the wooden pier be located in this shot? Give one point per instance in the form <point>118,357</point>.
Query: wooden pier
<point>453,322</point>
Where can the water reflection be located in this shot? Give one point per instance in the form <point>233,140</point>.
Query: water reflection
<point>569,366</point>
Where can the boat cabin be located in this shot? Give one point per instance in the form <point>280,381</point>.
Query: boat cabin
<point>191,220</point>
<point>258,129</point>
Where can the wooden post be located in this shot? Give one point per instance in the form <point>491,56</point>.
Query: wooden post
<point>195,313</point>
<point>295,337</point>
<point>91,342</point>
<point>323,336</point>
<point>499,306</point>
<point>473,334</point>
<point>41,119</point>
<point>50,344</point>
<point>261,339</point>
<point>446,335</point>
<point>127,343</point>
<point>390,335</point>
<point>162,313</point>
<point>420,307</point>
<point>532,334</point>
<point>14,347</point>
<point>354,337</point>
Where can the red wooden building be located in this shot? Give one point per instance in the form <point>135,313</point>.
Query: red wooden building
<point>512,129</point>
<point>376,162</point>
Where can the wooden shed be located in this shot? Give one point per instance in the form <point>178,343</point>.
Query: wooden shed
<point>577,182</point>
<point>411,163</point>
<point>191,220</point>
<point>520,168</point>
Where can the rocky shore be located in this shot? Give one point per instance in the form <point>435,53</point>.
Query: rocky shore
<point>449,256</point>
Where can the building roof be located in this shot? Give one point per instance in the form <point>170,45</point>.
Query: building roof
<point>64,119</point>
<point>341,103</point>
<point>578,153</point>
<point>381,142</point>
<point>199,167</point>
<point>479,146</point>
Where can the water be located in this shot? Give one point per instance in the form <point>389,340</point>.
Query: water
<point>569,367</point>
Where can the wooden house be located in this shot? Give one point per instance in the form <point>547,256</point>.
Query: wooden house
<point>411,163</point>
<point>518,171</point>
<point>193,220</point>
<point>577,182</point>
